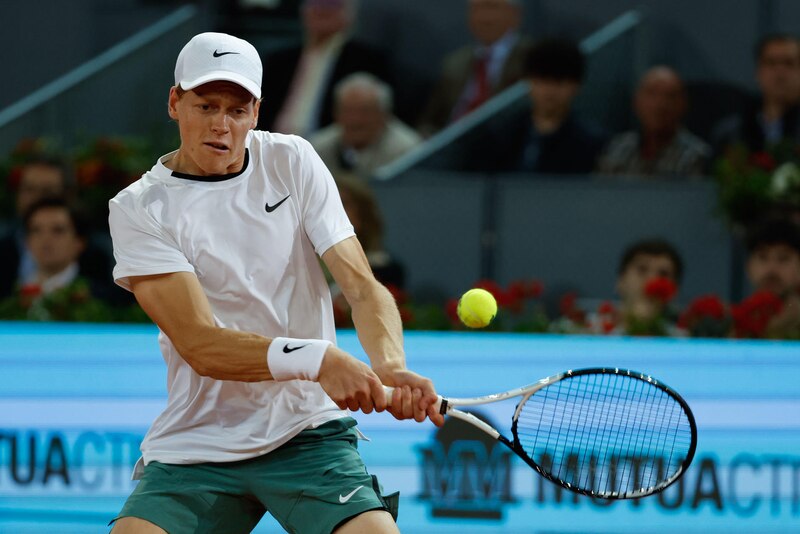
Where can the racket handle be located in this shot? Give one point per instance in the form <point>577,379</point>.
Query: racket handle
<point>389,390</point>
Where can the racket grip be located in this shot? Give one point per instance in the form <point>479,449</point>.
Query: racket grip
<point>389,390</point>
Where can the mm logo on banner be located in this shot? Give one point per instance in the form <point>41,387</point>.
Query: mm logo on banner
<point>465,473</point>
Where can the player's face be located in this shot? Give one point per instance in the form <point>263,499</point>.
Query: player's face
<point>489,20</point>
<point>361,118</point>
<point>775,268</point>
<point>52,240</point>
<point>38,181</point>
<point>779,71</point>
<point>642,269</point>
<point>213,120</point>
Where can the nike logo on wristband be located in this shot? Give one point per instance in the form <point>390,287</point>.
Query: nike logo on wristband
<point>344,498</point>
<point>287,349</point>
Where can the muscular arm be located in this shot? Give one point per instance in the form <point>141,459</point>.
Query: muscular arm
<point>380,331</point>
<point>177,304</point>
<point>375,314</point>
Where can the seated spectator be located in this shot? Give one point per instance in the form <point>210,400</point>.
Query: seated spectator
<point>661,146</point>
<point>775,116</point>
<point>648,276</point>
<point>298,82</point>
<point>552,139</point>
<point>474,73</point>
<point>366,135</point>
<point>364,214</point>
<point>56,238</point>
<point>773,265</point>
<point>41,177</point>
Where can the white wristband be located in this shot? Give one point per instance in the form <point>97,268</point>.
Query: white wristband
<point>296,359</point>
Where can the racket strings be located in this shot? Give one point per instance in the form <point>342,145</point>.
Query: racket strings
<point>607,434</point>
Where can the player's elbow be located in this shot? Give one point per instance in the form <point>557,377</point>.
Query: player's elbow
<point>194,349</point>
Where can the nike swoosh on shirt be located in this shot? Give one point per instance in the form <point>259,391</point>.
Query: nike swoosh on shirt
<point>272,208</point>
<point>344,498</point>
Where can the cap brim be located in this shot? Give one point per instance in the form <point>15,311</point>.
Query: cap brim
<point>223,76</point>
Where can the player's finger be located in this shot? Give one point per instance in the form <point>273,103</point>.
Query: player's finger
<point>378,395</point>
<point>352,404</point>
<point>419,413</point>
<point>365,401</point>
<point>434,415</point>
<point>406,403</point>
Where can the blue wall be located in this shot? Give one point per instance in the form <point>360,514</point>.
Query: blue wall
<point>85,395</point>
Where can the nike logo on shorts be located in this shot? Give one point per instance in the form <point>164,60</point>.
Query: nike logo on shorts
<point>344,498</point>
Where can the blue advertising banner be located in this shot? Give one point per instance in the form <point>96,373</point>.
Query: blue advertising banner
<point>76,400</point>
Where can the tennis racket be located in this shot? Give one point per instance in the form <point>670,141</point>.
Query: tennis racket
<point>602,432</point>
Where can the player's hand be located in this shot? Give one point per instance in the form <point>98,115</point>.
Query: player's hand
<point>414,396</point>
<point>350,383</point>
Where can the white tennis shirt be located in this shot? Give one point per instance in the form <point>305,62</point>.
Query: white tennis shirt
<point>252,239</point>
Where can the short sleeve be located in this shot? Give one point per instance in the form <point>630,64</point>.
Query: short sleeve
<point>141,247</point>
<point>324,218</point>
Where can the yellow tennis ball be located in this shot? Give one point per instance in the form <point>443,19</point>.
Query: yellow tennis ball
<point>477,308</point>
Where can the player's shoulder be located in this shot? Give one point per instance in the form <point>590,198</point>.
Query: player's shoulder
<point>140,192</point>
<point>265,140</point>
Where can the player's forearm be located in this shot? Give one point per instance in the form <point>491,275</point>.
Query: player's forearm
<point>379,327</point>
<point>225,354</point>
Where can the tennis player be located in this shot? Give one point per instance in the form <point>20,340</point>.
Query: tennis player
<point>219,242</point>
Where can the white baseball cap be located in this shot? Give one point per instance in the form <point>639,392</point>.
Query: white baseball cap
<point>209,57</point>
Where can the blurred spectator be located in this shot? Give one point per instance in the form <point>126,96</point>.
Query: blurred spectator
<point>474,73</point>
<point>773,265</point>
<point>552,139</point>
<point>649,274</point>
<point>45,177</point>
<point>55,289</point>
<point>364,214</point>
<point>298,82</point>
<point>41,176</point>
<point>661,146</point>
<point>775,116</point>
<point>366,135</point>
<point>56,238</point>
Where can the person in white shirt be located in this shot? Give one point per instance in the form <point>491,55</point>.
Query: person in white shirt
<point>219,242</point>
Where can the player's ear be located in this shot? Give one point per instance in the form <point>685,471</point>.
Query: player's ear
<point>172,103</point>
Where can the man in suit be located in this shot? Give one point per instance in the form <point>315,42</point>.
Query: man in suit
<point>298,82</point>
<point>774,117</point>
<point>473,74</point>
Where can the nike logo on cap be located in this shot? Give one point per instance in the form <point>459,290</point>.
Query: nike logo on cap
<point>272,208</point>
<point>344,498</point>
<point>220,54</point>
<point>287,349</point>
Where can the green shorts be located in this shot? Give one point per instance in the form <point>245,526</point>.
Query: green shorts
<point>312,484</point>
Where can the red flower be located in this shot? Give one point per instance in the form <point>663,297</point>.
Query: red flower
<point>608,326</point>
<point>30,290</point>
<point>606,308</point>
<point>705,306</point>
<point>406,315</point>
<point>503,298</point>
<point>534,289</point>
<point>763,160</point>
<point>400,296</point>
<point>568,306</point>
<point>751,316</point>
<point>451,308</point>
<point>661,289</point>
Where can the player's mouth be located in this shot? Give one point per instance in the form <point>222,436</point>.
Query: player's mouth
<point>218,147</point>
